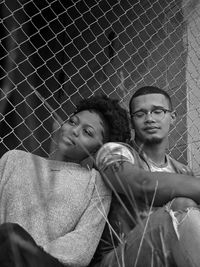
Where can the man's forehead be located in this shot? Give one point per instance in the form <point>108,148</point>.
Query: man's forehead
<point>150,100</point>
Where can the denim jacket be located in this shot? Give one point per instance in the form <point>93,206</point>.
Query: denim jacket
<point>118,152</point>
<point>118,217</point>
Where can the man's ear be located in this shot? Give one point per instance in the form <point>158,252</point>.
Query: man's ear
<point>132,134</point>
<point>132,123</point>
<point>173,117</point>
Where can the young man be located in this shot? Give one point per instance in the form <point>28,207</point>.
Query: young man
<point>164,236</point>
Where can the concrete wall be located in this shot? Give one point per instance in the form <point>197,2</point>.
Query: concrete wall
<point>192,15</point>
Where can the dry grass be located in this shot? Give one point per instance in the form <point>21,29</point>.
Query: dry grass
<point>154,259</point>
<point>121,251</point>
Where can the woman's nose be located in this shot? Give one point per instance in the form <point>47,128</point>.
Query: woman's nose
<point>75,130</point>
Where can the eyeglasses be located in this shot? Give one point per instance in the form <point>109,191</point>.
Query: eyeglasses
<point>156,114</point>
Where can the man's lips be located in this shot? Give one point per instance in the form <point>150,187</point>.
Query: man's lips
<point>151,129</point>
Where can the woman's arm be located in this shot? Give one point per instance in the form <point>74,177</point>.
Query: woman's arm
<point>78,247</point>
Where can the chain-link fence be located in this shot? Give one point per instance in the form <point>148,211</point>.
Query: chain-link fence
<point>54,52</point>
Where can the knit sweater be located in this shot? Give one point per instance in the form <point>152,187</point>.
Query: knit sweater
<point>62,205</point>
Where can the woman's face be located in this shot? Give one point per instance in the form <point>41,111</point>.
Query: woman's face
<point>81,135</point>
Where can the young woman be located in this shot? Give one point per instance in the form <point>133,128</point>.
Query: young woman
<point>52,212</point>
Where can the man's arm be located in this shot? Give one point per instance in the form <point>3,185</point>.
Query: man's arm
<point>121,172</point>
<point>125,177</point>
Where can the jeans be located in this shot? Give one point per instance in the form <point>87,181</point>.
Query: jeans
<point>166,238</point>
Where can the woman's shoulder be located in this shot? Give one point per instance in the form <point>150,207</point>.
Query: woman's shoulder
<point>17,156</point>
<point>15,153</point>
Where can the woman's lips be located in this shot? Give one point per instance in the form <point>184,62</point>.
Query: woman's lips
<point>68,140</point>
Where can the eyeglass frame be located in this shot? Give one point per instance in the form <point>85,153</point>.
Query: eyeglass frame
<point>145,113</point>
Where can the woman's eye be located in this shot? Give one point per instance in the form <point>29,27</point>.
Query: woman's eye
<point>88,132</point>
<point>72,121</point>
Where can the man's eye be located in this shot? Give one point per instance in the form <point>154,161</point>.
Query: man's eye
<point>157,111</point>
<point>139,114</point>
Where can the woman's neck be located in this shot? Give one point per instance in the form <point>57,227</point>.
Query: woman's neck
<point>56,155</point>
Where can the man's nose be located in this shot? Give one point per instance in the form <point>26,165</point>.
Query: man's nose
<point>149,116</point>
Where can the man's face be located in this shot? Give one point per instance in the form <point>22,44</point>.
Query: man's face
<point>151,118</point>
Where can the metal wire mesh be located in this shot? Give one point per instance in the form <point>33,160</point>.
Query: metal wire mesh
<point>55,52</point>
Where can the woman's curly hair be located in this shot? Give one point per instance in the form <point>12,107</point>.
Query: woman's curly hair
<point>114,115</point>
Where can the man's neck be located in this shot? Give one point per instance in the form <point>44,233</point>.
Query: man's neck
<point>155,152</point>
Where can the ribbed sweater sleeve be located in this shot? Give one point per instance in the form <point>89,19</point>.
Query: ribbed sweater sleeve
<point>62,205</point>
<point>77,247</point>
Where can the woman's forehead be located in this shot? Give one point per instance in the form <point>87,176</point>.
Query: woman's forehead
<point>91,118</point>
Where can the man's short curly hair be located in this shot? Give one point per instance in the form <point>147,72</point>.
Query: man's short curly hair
<point>114,115</point>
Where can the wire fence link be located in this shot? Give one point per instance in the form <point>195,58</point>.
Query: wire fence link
<point>55,52</point>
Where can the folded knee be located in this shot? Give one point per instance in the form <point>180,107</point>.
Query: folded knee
<point>185,214</point>
<point>182,203</point>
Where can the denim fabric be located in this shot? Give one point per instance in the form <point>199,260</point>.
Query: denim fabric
<point>164,239</point>
<point>154,241</point>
